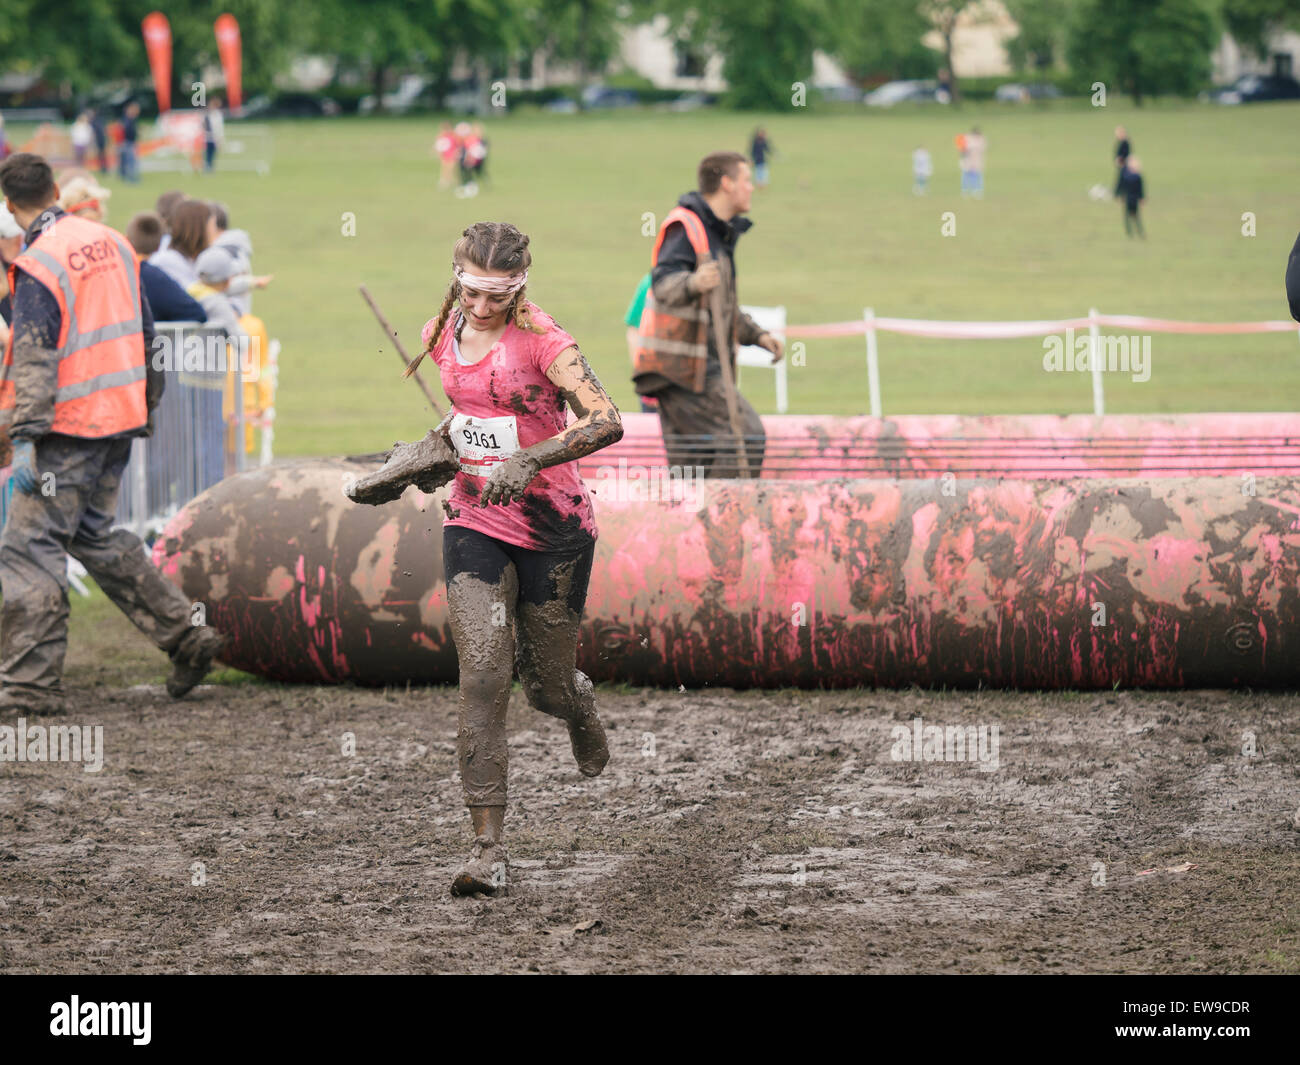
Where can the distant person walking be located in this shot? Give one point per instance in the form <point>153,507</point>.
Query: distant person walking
<point>467,158</point>
<point>214,132</point>
<point>759,150</point>
<point>972,147</point>
<point>1133,192</point>
<point>447,148</point>
<point>127,160</point>
<point>100,133</point>
<point>479,154</point>
<point>922,171</point>
<point>83,137</point>
<point>1122,151</point>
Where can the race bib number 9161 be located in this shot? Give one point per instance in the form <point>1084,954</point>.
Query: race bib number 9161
<point>483,443</point>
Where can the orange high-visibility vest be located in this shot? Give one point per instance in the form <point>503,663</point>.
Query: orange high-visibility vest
<point>674,342</point>
<point>93,274</point>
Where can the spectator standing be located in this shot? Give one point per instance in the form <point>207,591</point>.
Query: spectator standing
<point>165,206</point>
<point>1133,192</point>
<point>467,159</point>
<point>190,236</point>
<point>83,137</point>
<point>128,161</point>
<point>100,133</point>
<point>972,164</point>
<point>1122,151</point>
<point>213,270</point>
<point>84,197</point>
<point>922,170</point>
<point>447,147</point>
<point>759,149</point>
<point>239,246</point>
<point>214,132</point>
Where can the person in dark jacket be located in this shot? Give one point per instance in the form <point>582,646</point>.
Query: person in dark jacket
<point>1133,193</point>
<point>759,149</point>
<point>1122,151</point>
<point>170,302</point>
<point>128,164</point>
<point>696,424</point>
<point>101,140</point>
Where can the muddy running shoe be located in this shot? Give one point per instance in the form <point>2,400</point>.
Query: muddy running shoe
<point>191,665</point>
<point>31,702</point>
<point>586,733</point>
<point>486,871</point>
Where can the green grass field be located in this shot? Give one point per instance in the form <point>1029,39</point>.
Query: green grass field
<point>838,230</point>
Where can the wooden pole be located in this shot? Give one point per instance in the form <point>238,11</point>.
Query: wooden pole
<point>391,333</point>
<point>723,345</point>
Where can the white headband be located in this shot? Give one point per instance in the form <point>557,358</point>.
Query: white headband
<point>495,286</point>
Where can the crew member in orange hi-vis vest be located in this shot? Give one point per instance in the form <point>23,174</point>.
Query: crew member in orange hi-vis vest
<point>76,387</point>
<point>693,278</point>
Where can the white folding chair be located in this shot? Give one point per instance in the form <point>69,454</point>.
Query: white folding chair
<point>771,319</point>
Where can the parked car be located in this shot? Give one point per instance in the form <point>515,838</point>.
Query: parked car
<point>401,100</point>
<point>845,94</point>
<point>595,96</point>
<point>1255,88</point>
<point>898,92</point>
<point>1014,92</point>
<point>692,101</point>
<point>289,105</point>
<point>563,106</point>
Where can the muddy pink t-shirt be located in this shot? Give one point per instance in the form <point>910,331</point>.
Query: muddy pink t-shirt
<point>510,382</point>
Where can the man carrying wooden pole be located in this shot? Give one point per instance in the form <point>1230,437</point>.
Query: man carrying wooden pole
<point>693,325</point>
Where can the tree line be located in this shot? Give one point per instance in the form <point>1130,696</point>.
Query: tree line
<point>1143,47</point>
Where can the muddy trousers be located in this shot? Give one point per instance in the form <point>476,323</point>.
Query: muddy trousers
<point>697,430</point>
<point>511,608</point>
<point>72,513</point>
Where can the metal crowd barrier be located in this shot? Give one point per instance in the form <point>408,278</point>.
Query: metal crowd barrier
<point>189,450</point>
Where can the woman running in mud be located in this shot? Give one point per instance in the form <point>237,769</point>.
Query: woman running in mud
<point>520,534</point>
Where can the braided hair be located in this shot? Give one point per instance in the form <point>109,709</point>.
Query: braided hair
<point>488,246</point>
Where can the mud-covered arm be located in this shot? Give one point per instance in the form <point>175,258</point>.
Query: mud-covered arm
<point>747,330</point>
<point>598,425</point>
<point>35,371</point>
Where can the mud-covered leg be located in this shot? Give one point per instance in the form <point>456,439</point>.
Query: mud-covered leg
<point>116,559</point>
<point>34,573</point>
<point>482,587</point>
<point>550,613</point>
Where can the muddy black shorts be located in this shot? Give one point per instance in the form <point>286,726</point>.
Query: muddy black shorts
<point>486,558</point>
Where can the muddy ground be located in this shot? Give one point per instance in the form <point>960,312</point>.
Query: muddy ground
<point>731,832</point>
